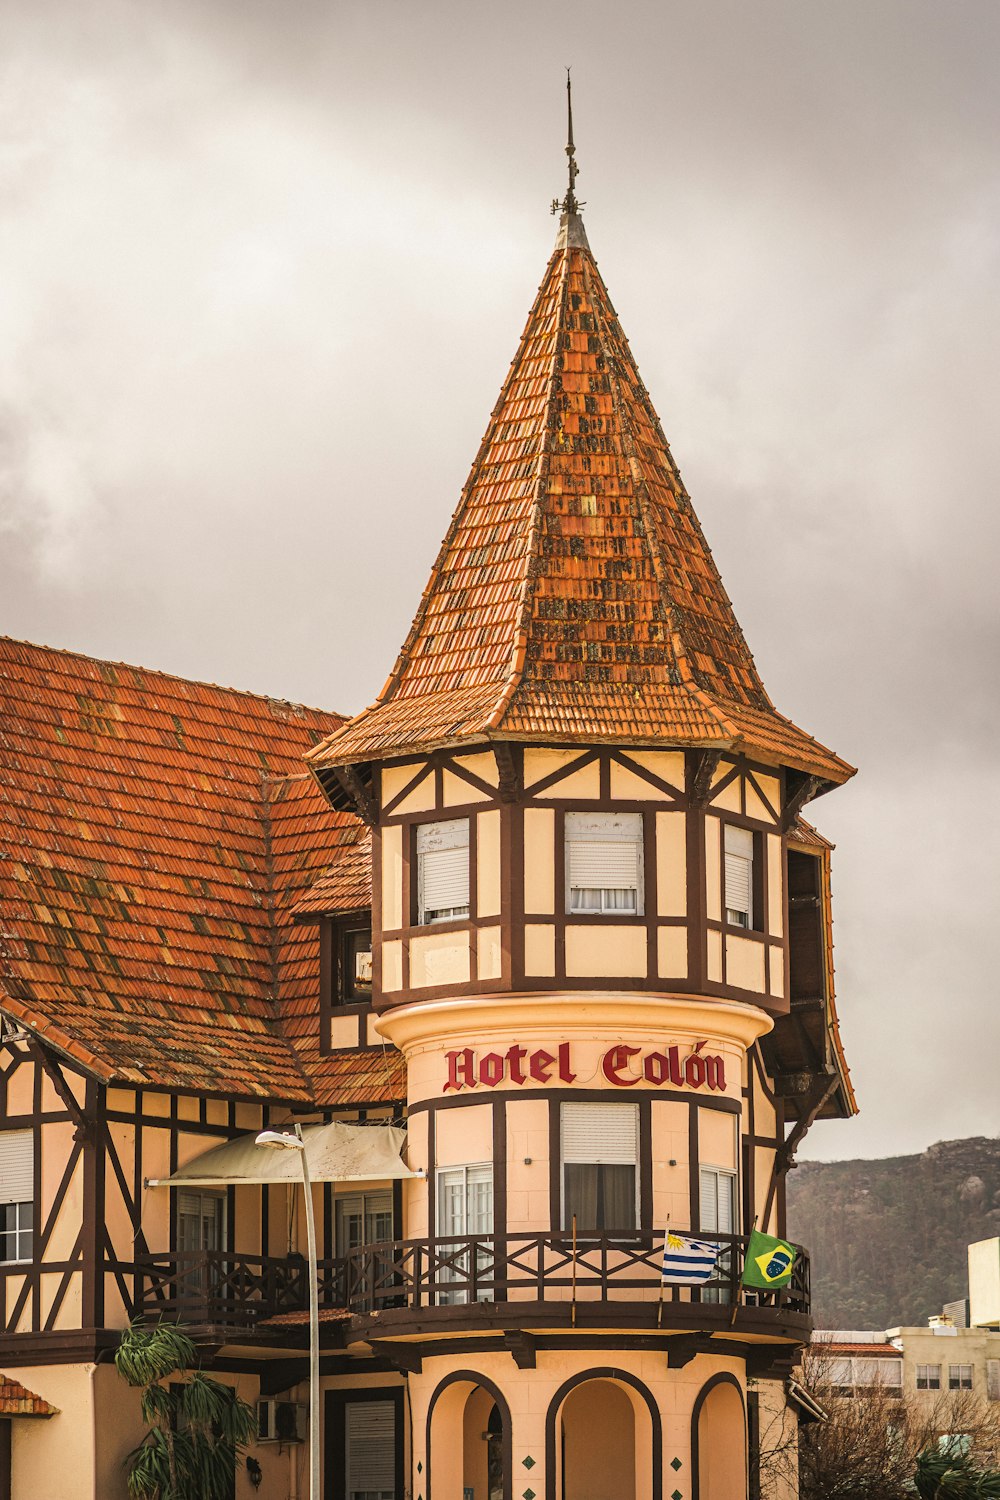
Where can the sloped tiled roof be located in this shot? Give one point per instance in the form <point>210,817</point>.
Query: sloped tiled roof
<point>575,597</point>
<point>154,836</point>
<point>346,883</point>
<point>17,1401</point>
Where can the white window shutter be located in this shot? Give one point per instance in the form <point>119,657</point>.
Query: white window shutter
<point>443,863</point>
<point>600,1134</point>
<point>17,1166</point>
<point>717,1199</point>
<point>371,1447</point>
<point>739,869</point>
<point>604,852</point>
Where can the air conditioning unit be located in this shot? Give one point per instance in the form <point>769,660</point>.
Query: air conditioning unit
<point>281,1421</point>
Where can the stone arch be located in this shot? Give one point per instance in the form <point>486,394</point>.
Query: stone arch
<point>647,1430</point>
<point>719,1440</point>
<point>453,1394</point>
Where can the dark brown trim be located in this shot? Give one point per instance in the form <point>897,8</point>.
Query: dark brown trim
<point>580,1096</point>
<point>602,1372</point>
<point>723,1378</point>
<point>335,1438</point>
<point>491,1389</point>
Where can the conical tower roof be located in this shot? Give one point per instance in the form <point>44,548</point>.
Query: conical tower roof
<point>575,598</point>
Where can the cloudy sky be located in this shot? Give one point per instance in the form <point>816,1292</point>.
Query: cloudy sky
<point>263,267</point>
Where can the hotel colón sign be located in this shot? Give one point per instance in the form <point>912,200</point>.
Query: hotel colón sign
<point>620,1065</point>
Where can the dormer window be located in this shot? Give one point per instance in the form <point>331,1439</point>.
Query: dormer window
<point>443,871</point>
<point>604,869</point>
<point>739,876</point>
<point>356,964</point>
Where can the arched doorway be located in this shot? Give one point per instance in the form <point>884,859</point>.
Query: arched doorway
<point>468,1429</point>
<point>598,1443</point>
<point>719,1441</point>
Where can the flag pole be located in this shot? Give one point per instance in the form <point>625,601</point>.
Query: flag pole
<point>739,1282</point>
<point>573,1307</point>
<point>659,1306</point>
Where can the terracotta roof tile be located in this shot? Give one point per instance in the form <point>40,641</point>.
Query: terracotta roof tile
<point>154,836</point>
<point>17,1401</point>
<point>575,597</point>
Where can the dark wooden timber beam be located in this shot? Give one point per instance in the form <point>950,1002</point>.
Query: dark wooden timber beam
<point>798,793</point>
<point>522,1345</point>
<point>43,1057</point>
<point>682,1349</point>
<point>821,1092</point>
<point>360,795</point>
<point>510,777</point>
<point>704,763</point>
<point>400,1355</point>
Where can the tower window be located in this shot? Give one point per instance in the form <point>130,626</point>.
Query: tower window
<point>739,876</point>
<point>443,871</point>
<point>599,1157</point>
<point>604,864</point>
<point>17,1159</point>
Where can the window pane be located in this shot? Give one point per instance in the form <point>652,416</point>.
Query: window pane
<point>616,1198</point>
<point>581,1195</point>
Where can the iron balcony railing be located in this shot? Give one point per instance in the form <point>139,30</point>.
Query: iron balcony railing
<point>222,1289</point>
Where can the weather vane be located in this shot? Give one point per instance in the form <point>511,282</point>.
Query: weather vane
<point>569,204</point>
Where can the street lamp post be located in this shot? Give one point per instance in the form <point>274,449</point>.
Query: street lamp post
<point>278,1140</point>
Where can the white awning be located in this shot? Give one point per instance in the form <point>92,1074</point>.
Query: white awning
<point>334,1153</point>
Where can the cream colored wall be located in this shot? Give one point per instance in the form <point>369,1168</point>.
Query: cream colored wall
<point>528,1394</point>
<point>527,1165</point>
<point>607,952</point>
<point>53,1458</point>
<point>670,1152</point>
<point>722,1468</point>
<point>779,1431</point>
<point>964,1346</point>
<point>599,1442</point>
<point>488,864</point>
<point>464,1135</point>
<point>439,958</point>
<point>539,860</point>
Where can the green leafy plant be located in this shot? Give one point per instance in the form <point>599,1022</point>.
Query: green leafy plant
<point>945,1474</point>
<point>198,1427</point>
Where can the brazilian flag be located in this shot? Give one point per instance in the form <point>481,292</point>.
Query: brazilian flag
<point>768,1262</point>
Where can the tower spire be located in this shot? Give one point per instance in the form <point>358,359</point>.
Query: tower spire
<point>569,204</point>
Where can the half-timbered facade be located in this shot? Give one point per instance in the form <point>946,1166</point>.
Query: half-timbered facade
<point>551,901</point>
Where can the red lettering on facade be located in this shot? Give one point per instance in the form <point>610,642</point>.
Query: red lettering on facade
<point>491,1070</point>
<point>514,1057</point>
<point>461,1069</point>
<point>518,1065</point>
<point>655,1068</point>
<point>539,1064</point>
<point>613,1063</point>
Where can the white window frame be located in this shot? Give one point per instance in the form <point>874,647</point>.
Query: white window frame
<point>622,836</point>
<point>960,1377</point>
<point>930,1375</point>
<point>218,1198</point>
<point>600,1156</point>
<point>470,1174</point>
<point>738,873</point>
<point>17,1191</point>
<point>365,1204</point>
<point>727,1174</point>
<point>441,837</point>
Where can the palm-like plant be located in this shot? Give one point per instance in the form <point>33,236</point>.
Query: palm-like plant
<point>944,1474</point>
<point>197,1426</point>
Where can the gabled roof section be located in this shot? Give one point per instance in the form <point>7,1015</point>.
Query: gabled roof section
<point>154,836</point>
<point>575,597</point>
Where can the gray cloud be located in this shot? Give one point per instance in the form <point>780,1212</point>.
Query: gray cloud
<point>261,272</point>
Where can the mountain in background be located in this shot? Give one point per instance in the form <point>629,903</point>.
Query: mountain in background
<point>887,1239</point>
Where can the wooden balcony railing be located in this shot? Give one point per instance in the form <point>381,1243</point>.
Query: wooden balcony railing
<point>544,1268</point>
<point>218,1289</point>
<point>225,1290</point>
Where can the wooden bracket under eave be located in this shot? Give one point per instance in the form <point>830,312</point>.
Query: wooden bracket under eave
<point>361,795</point>
<point>800,790</point>
<point>522,1347</point>
<point>45,1060</point>
<point>703,768</point>
<point>401,1355</point>
<point>511,782</point>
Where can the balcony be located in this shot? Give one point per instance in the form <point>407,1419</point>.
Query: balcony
<point>227,1292</point>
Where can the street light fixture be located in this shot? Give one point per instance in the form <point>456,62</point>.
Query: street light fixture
<point>278,1140</point>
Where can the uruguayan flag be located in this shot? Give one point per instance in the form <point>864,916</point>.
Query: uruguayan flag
<point>688,1262</point>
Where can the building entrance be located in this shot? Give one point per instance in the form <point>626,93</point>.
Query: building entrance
<point>597,1443</point>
